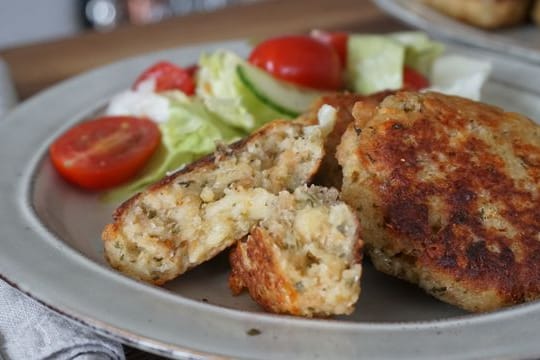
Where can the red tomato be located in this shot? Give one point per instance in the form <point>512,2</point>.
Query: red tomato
<point>413,80</point>
<point>337,40</point>
<point>168,77</point>
<point>192,70</point>
<point>105,152</point>
<point>301,60</point>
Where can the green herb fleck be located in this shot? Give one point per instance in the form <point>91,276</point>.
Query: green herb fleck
<point>253,332</point>
<point>149,213</point>
<point>155,275</point>
<point>482,214</point>
<point>185,184</point>
<point>438,289</point>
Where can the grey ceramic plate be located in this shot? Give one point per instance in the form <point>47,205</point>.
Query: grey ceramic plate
<point>522,41</point>
<point>50,248</point>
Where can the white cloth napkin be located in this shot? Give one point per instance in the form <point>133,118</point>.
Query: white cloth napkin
<point>30,331</point>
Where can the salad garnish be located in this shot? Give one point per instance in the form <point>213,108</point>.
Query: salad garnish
<point>224,97</point>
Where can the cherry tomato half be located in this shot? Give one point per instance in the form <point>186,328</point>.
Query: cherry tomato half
<point>301,60</point>
<point>413,80</point>
<point>192,70</point>
<point>104,152</point>
<point>168,77</point>
<point>337,40</point>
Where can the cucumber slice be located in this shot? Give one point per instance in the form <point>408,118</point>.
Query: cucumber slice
<point>283,97</point>
<point>374,63</point>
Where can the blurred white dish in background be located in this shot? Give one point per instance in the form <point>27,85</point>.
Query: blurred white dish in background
<point>519,41</point>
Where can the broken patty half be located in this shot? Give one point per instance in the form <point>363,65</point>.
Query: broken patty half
<point>329,173</point>
<point>192,215</point>
<point>304,258</point>
<point>447,192</point>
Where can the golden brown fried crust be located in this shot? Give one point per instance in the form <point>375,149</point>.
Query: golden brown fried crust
<point>452,191</point>
<point>267,285</point>
<point>329,173</point>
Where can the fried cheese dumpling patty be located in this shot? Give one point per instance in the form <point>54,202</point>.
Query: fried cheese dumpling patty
<point>192,215</point>
<point>304,258</point>
<point>448,195</point>
<point>329,173</point>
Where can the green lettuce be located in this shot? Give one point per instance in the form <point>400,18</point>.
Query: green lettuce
<point>190,133</point>
<point>223,92</point>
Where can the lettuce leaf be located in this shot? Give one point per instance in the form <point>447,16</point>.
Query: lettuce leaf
<point>190,133</point>
<point>223,92</point>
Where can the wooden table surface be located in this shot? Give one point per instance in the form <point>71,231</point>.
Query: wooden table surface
<point>35,67</point>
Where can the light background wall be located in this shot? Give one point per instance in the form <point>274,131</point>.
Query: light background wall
<point>28,21</point>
